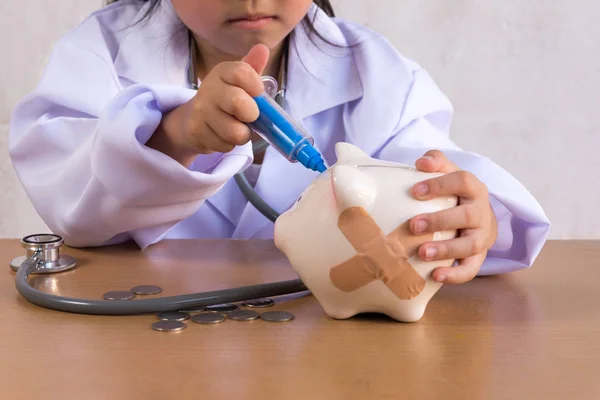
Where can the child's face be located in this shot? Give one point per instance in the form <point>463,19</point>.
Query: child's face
<point>234,26</point>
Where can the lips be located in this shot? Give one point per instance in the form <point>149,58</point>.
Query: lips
<point>251,17</point>
<point>252,21</point>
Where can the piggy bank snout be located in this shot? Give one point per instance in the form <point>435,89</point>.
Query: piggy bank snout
<point>352,188</point>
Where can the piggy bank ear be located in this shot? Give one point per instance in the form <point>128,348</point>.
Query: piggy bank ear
<point>349,154</point>
<point>352,188</point>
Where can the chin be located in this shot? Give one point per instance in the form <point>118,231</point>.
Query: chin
<point>240,48</point>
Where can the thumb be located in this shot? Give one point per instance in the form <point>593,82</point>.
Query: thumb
<point>257,57</point>
<point>436,161</point>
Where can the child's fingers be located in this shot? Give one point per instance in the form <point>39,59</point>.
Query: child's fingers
<point>435,161</point>
<point>210,141</point>
<point>460,183</point>
<point>465,271</point>
<point>242,75</point>
<point>472,242</point>
<point>464,216</point>
<point>235,101</point>
<point>228,128</point>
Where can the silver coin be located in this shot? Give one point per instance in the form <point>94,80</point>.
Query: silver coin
<point>277,316</point>
<point>194,309</point>
<point>146,289</point>
<point>263,303</point>
<point>118,295</point>
<point>243,315</point>
<point>223,308</point>
<point>208,318</point>
<point>173,316</point>
<point>168,326</point>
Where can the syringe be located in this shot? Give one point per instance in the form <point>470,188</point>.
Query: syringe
<point>284,134</point>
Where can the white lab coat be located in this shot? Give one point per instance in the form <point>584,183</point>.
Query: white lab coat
<point>77,142</point>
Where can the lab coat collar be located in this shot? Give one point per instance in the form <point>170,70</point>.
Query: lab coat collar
<point>319,77</point>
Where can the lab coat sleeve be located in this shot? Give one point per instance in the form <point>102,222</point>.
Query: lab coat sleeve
<point>77,144</point>
<point>424,125</point>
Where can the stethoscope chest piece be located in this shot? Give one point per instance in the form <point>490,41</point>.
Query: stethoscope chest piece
<point>44,250</point>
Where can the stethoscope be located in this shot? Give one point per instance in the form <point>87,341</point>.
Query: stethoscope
<point>43,256</point>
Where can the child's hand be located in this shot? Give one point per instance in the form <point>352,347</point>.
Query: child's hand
<point>473,216</point>
<point>213,120</point>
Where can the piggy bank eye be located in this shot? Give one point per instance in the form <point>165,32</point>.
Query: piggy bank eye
<point>299,198</point>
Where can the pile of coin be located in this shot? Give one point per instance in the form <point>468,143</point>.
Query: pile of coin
<point>174,321</point>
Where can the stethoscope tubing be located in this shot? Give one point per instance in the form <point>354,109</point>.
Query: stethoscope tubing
<point>148,306</point>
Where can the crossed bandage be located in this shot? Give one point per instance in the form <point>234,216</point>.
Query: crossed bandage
<point>379,257</point>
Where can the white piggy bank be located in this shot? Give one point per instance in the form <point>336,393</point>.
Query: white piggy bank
<point>348,239</point>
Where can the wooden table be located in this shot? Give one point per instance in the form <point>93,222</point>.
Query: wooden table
<point>534,334</point>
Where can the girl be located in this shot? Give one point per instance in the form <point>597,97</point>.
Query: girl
<point>115,143</point>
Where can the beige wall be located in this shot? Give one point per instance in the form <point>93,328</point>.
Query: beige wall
<point>523,76</point>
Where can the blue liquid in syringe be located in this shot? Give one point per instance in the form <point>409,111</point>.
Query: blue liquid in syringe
<point>282,133</point>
